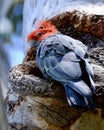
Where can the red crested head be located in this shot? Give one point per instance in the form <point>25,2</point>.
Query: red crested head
<point>44,30</point>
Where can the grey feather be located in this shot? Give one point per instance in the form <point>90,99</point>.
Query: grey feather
<point>65,59</point>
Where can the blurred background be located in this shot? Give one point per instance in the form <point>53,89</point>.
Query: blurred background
<point>11,44</point>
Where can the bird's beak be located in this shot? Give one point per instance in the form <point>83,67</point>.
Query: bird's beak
<point>32,42</point>
<point>29,38</point>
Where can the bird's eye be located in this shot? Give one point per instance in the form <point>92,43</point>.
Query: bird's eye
<point>41,27</point>
<point>39,34</point>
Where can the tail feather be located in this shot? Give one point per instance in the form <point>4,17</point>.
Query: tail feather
<point>74,98</point>
<point>92,85</point>
<point>80,87</point>
<point>87,74</point>
<point>77,98</point>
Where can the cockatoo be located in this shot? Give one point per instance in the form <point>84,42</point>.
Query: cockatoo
<point>65,60</point>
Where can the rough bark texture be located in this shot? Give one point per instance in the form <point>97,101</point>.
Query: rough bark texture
<point>82,22</point>
<point>36,104</point>
<point>87,28</point>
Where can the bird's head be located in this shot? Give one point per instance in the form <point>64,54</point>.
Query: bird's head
<point>44,30</point>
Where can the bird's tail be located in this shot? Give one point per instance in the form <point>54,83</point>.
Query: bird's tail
<point>79,94</point>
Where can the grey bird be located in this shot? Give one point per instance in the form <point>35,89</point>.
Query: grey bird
<point>65,60</point>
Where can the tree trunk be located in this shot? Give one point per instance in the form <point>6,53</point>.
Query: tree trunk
<point>34,103</point>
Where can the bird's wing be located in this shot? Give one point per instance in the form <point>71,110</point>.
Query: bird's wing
<point>63,61</point>
<point>58,58</point>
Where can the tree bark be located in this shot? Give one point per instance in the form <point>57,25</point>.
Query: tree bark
<point>82,22</point>
<point>42,105</point>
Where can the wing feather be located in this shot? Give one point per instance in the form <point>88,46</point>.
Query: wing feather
<point>65,60</point>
